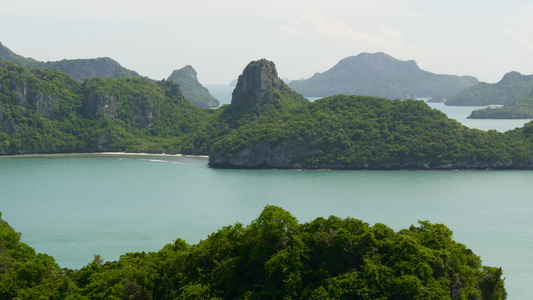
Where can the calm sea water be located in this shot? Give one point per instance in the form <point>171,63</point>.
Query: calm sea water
<point>75,206</point>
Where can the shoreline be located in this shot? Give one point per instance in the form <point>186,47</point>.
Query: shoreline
<point>102,153</point>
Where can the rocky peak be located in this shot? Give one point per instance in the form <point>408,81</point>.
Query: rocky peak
<point>187,71</point>
<point>192,89</point>
<point>257,84</point>
<point>513,77</point>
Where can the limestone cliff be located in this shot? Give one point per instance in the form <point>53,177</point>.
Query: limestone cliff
<point>259,84</point>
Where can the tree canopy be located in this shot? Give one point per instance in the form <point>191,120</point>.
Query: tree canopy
<point>275,257</point>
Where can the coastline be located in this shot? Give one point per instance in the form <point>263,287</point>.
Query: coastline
<point>101,153</point>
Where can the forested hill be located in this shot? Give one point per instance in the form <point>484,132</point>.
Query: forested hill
<point>192,89</point>
<point>378,74</point>
<point>514,92</point>
<point>43,111</point>
<point>274,257</point>
<point>79,69</point>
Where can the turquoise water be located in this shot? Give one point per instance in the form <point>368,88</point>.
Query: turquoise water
<point>75,206</point>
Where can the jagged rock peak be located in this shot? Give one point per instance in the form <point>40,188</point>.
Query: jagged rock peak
<point>188,71</point>
<point>257,84</point>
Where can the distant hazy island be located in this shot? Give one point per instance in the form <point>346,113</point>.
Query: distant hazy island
<point>380,75</point>
<point>511,98</point>
<point>274,257</point>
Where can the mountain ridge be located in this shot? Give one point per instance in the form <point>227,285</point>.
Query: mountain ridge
<point>79,69</point>
<point>381,75</point>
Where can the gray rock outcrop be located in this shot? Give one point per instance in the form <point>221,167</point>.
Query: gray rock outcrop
<point>257,84</point>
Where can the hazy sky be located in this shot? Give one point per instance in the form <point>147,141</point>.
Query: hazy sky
<point>218,38</point>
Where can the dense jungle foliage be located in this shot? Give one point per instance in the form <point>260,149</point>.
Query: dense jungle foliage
<point>354,132</point>
<point>274,257</point>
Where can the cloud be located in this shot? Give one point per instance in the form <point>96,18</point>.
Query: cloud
<point>521,37</point>
<point>310,23</point>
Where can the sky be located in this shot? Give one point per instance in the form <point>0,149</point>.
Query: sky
<point>485,39</point>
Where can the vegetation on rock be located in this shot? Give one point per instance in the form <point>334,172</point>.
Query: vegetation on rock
<point>356,132</point>
<point>43,111</point>
<point>274,257</point>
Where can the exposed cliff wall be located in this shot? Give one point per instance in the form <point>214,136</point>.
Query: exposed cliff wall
<point>257,85</point>
<point>294,154</point>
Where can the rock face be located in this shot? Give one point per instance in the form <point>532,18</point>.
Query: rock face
<point>263,156</point>
<point>292,154</point>
<point>192,89</point>
<point>257,84</point>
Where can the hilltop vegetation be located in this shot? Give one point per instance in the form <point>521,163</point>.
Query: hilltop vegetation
<point>274,257</point>
<point>380,75</point>
<point>79,69</point>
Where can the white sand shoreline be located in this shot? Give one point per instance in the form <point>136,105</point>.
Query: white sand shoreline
<point>103,153</point>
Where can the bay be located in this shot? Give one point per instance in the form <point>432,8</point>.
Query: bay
<point>75,206</point>
<point>461,113</point>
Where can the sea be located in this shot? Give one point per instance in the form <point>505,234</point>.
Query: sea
<point>74,206</point>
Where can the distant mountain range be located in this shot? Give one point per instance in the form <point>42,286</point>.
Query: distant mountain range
<point>106,67</point>
<point>378,74</point>
<point>514,92</point>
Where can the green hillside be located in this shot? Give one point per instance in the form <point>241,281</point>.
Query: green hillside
<point>43,111</point>
<point>79,69</point>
